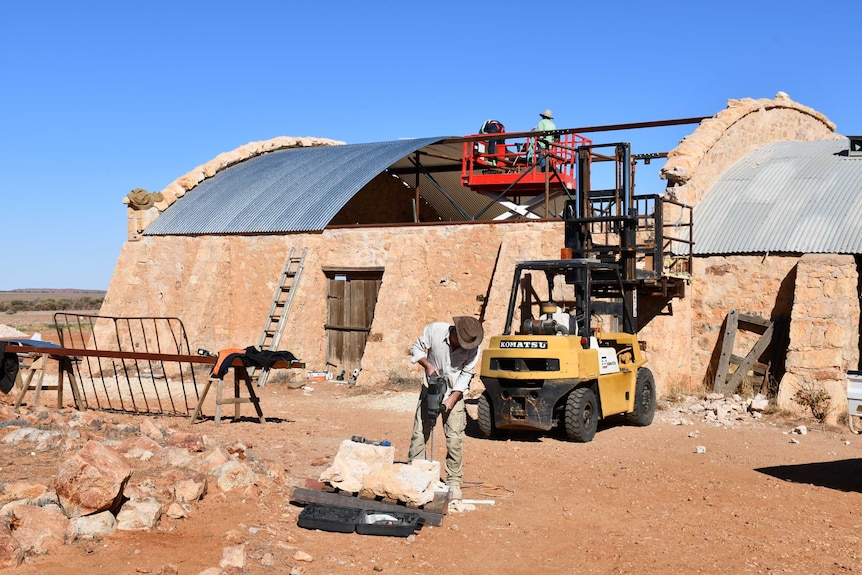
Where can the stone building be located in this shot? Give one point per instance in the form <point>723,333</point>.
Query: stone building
<point>775,191</point>
<point>389,249</point>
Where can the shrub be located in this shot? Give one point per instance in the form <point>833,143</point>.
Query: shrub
<point>815,399</point>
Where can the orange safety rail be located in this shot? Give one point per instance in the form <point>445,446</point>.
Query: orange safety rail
<point>498,166</point>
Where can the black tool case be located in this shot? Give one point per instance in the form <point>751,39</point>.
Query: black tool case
<point>329,518</point>
<point>363,521</point>
<point>392,523</point>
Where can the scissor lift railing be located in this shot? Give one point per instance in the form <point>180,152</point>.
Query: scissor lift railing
<point>501,166</point>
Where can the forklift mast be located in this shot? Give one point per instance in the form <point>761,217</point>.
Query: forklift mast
<point>609,214</point>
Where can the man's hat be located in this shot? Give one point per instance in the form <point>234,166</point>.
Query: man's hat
<point>469,330</point>
<point>547,114</point>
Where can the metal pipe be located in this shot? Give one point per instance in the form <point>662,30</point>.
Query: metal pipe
<point>583,129</point>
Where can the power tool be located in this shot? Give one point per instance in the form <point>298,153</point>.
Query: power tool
<point>434,405</point>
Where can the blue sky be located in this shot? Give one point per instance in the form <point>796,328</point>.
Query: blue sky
<point>99,98</point>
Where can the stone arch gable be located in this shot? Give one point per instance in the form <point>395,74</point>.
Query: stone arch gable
<point>745,125</point>
<point>140,219</point>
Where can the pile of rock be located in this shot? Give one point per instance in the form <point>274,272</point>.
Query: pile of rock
<point>715,409</point>
<point>370,471</point>
<point>93,493</point>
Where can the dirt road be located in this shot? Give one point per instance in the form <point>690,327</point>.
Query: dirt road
<point>634,500</point>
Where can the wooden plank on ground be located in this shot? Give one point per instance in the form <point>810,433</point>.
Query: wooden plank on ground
<point>304,496</point>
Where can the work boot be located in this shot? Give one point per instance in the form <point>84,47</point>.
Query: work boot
<point>455,492</point>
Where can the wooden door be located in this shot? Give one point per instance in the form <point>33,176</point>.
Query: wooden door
<point>351,298</point>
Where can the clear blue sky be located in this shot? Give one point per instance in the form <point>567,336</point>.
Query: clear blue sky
<point>99,98</point>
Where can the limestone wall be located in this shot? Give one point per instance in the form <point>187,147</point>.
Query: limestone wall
<point>222,287</point>
<point>824,333</point>
<point>694,166</point>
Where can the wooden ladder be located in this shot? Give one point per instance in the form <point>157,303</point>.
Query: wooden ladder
<point>278,312</point>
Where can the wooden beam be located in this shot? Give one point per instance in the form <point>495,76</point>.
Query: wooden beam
<point>758,368</point>
<point>754,323</point>
<point>70,352</point>
<point>749,361</point>
<point>730,324</point>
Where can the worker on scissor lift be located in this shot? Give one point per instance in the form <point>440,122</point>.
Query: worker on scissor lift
<point>489,148</point>
<point>543,142</point>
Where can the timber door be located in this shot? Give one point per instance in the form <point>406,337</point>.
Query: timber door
<point>351,296</point>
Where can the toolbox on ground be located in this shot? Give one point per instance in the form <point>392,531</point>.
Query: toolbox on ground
<point>396,524</point>
<point>363,521</point>
<point>329,518</point>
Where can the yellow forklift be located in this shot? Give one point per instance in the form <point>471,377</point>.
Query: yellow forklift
<point>569,354</point>
<point>561,367</point>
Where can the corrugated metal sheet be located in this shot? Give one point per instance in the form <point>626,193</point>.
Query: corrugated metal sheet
<point>787,197</point>
<point>292,190</point>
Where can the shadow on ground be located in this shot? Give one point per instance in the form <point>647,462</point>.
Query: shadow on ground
<point>844,475</point>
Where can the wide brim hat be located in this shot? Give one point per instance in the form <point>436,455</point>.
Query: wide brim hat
<point>469,330</point>
<point>547,114</point>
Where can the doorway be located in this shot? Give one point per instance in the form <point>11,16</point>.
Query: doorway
<point>351,296</point>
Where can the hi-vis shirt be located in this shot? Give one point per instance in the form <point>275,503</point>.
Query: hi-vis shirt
<point>455,365</point>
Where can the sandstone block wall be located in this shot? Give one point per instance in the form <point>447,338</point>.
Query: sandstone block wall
<point>694,166</point>
<point>824,333</point>
<point>222,287</point>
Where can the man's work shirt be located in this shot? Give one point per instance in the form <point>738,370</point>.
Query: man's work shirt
<point>544,125</point>
<point>455,365</point>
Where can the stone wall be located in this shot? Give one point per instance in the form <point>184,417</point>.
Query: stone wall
<point>222,287</point>
<point>744,126</point>
<point>824,333</point>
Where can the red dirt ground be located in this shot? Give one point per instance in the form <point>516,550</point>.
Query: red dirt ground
<point>634,500</point>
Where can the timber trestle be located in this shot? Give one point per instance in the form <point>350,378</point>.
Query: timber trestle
<point>240,374</point>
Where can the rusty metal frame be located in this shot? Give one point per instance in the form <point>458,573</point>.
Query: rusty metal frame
<point>139,365</point>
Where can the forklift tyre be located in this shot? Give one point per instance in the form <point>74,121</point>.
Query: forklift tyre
<point>485,417</point>
<point>644,408</point>
<point>582,415</point>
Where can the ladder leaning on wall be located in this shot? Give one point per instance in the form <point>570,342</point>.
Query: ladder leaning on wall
<point>278,312</point>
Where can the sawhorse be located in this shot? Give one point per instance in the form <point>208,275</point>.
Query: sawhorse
<point>64,367</point>
<point>239,374</point>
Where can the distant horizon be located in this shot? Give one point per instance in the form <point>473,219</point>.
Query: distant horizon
<point>52,290</point>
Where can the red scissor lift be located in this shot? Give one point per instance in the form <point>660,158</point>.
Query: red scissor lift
<point>494,166</point>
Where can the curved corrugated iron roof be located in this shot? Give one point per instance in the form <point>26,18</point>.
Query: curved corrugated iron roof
<point>787,197</point>
<point>290,190</point>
